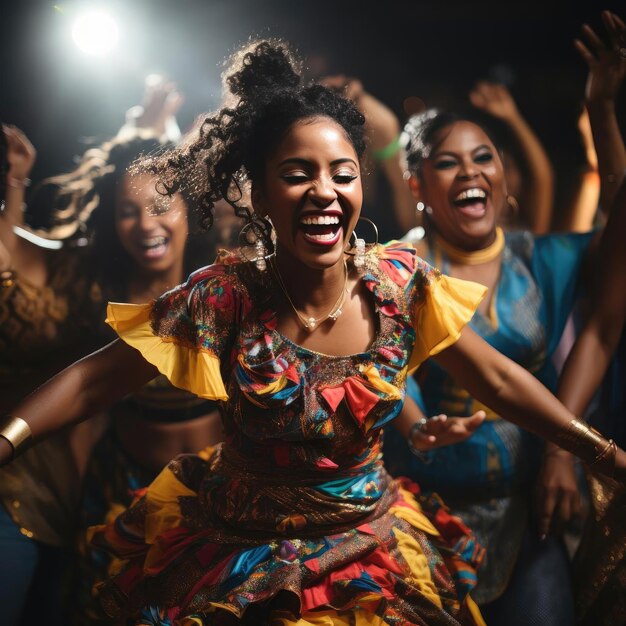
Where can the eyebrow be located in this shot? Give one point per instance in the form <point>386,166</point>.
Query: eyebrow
<point>300,161</point>
<point>476,149</point>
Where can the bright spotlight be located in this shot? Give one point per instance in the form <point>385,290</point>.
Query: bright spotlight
<point>95,33</point>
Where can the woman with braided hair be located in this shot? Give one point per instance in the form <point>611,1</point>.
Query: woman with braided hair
<point>306,342</point>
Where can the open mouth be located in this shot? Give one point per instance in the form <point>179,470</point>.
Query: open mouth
<point>471,202</point>
<point>323,229</point>
<point>154,247</point>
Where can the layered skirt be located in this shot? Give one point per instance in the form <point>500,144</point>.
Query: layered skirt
<point>187,562</point>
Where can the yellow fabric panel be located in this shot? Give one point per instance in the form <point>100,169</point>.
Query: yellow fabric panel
<point>448,305</point>
<point>163,511</point>
<point>373,378</point>
<point>420,576</point>
<point>192,369</point>
<point>413,515</point>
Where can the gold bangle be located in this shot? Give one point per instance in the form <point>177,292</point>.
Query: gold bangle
<point>589,445</point>
<point>17,432</point>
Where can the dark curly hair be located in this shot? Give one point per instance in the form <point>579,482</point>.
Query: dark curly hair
<point>422,132</point>
<point>264,99</point>
<point>84,212</point>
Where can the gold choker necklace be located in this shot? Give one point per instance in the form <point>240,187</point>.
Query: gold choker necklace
<point>311,323</point>
<point>474,257</point>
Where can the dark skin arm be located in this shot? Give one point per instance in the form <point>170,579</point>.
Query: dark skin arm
<point>509,390</point>
<point>606,73</point>
<point>579,381</point>
<point>600,337</point>
<point>82,390</point>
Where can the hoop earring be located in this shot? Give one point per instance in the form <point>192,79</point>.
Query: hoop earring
<point>256,233</point>
<point>359,246</point>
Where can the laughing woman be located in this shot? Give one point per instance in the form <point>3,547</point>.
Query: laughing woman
<point>293,519</point>
<point>488,478</point>
<point>140,245</point>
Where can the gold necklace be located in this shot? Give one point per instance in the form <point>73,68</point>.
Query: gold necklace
<point>474,257</point>
<point>311,323</point>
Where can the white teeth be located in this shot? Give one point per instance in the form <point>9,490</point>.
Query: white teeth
<point>319,220</point>
<point>152,242</point>
<point>468,194</point>
<point>326,237</point>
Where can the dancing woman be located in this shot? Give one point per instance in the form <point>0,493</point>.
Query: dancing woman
<point>293,519</point>
<point>488,478</point>
<point>141,244</point>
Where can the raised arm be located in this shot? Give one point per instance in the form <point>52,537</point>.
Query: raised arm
<point>20,155</point>
<point>600,337</point>
<point>595,345</point>
<point>519,397</point>
<point>538,199</point>
<point>76,393</point>
<point>383,130</point>
<point>607,67</point>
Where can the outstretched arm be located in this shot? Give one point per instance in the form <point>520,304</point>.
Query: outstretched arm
<point>538,199</point>
<point>515,394</point>
<point>81,390</point>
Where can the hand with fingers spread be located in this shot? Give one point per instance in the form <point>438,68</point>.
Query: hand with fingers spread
<point>606,62</point>
<point>495,99</point>
<point>558,496</point>
<point>441,430</point>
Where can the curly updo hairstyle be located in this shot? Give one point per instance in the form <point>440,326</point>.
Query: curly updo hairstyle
<point>265,97</point>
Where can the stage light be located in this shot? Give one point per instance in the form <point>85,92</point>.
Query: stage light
<point>95,33</point>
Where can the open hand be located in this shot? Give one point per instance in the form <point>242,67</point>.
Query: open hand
<point>607,63</point>
<point>495,99</point>
<point>442,430</point>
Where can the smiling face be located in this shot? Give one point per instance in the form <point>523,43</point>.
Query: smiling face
<point>152,228</point>
<point>463,182</point>
<point>312,192</point>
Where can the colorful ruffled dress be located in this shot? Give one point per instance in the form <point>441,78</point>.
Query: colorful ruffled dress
<point>293,519</point>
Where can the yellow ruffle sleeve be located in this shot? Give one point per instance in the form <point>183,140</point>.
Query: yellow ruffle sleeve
<point>190,368</point>
<point>447,305</point>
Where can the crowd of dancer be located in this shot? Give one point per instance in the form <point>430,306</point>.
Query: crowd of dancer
<point>297,423</point>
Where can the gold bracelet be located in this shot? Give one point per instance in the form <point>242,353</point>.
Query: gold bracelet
<point>589,445</point>
<point>17,432</point>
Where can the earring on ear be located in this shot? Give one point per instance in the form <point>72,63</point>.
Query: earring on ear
<point>420,206</point>
<point>359,246</point>
<point>254,234</point>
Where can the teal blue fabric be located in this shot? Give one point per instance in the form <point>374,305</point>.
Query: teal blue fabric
<point>534,297</point>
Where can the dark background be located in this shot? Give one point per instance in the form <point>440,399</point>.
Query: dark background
<point>433,49</point>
